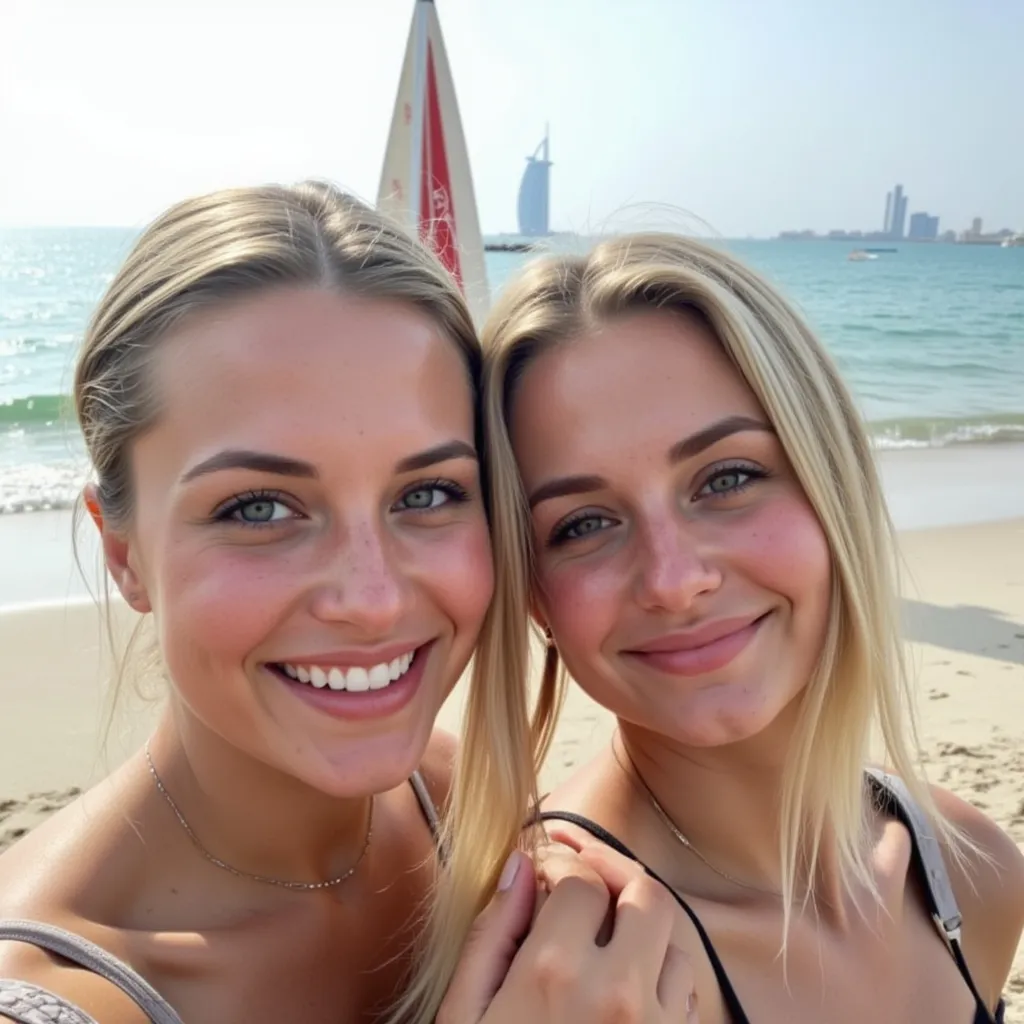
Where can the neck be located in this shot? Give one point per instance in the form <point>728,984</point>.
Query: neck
<point>727,802</point>
<point>251,816</point>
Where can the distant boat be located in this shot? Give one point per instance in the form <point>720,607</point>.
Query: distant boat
<point>1013,241</point>
<point>426,181</point>
<point>859,255</point>
<point>534,192</point>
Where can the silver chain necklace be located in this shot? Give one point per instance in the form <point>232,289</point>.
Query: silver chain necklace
<point>330,883</point>
<point>674,828</point>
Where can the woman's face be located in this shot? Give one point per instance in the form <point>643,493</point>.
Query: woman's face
<point>680,567</point>
<point>309,531</point>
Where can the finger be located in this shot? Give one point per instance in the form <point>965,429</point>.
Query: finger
<point>676,986</point>
<point>558,835</point>
<point>644,915</point>
<point>491,945</point>
<point>556,863</point>
<point>572,916</point>
<point>612,867</point>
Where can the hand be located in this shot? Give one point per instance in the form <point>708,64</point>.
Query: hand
<point>564,972</point>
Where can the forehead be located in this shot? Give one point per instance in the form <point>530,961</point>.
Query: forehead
<point>300,365</point>
<point>645,379</point>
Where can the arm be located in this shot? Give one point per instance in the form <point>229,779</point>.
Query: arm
<point>46,984</point>
<point>989,886</point>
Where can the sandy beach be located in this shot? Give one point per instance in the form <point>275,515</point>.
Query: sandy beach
<point>963,619</point>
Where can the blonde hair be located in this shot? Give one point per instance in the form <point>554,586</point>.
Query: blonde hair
<point>859,679</point>
<point>213,249</point>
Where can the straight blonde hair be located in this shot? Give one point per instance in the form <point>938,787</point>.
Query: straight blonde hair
<point>860,679</point>
<point>223,247</point>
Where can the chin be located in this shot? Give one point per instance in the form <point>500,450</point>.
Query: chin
<point>371,765</point>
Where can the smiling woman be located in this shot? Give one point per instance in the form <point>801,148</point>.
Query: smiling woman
<point>278,393</point>
<point>682,485</point>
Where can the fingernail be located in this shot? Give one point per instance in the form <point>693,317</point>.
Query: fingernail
<point>510,870</point>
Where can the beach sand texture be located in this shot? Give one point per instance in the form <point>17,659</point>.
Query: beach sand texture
<point>964,620</point>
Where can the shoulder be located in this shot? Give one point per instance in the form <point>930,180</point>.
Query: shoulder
<point>92,996</point>
<point>987,873</point>
<point>438,766</point>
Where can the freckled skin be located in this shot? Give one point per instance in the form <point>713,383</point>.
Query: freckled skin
<point>613,404</point>
<point>340,560</point>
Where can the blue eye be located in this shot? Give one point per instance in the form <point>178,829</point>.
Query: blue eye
<point>580,526</point>
<point>255,509</point>
<point>424,498</point>
<point>730,480</point>
<point>429,496</point>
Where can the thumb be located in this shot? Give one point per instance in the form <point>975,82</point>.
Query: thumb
<point>491,944</point>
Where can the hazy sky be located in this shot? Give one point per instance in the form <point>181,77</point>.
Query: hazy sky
<point>755,115</point>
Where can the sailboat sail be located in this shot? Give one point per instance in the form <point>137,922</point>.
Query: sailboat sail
<point>426,181</point>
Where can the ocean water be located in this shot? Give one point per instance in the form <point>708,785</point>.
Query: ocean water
<point>930,338</point>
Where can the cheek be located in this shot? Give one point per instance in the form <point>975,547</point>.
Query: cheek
<point>582,601</point>
<point>459,574</point>
<point>785,551</point>
<point>225,601</point>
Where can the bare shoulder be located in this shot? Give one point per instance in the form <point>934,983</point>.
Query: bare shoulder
<point>987,874</point>
<point>83,991</point>
<point>438,765</point>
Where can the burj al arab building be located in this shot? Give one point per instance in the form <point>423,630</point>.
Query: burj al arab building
<point>534,192</point>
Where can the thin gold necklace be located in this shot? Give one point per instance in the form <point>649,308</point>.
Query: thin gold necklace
<point>281,883</point>
<point>674,828</point>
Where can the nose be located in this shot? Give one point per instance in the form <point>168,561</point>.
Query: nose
<point>362,583</point>
<point>674,568</point>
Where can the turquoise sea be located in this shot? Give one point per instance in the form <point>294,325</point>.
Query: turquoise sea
<point>931,339</point>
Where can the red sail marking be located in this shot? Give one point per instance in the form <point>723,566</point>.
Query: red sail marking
<point>437,212</point>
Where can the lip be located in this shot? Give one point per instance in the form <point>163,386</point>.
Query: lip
<point>698,651</point>
<point>365,705</point>
<point>357,657</point>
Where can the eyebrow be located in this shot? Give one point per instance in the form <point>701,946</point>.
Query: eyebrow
<point>259,462</point>
<point>439,453</point>
<point>281,465</point>
<point>685,449</point>
<point>696,443</point>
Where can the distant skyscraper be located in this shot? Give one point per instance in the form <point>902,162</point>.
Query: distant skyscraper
<point>976,226</point>
<point>899,212</point>
<point>534,192</point>
<point>887,223</point>
<point>923,228</point>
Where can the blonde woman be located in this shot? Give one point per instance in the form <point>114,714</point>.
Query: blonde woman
<point>697,514</point>
<point>279,393</point>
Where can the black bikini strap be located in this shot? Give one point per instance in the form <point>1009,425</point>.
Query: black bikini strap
<point>732,1002</point>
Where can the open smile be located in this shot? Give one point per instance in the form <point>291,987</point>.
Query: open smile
<point>355,691</point>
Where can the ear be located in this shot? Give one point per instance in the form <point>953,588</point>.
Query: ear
<point>538,615</point>
<point>117,555</point>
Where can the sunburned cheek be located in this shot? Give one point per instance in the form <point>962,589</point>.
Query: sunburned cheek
<point>227,604</point>
<point>461,576</point>
<point>785,549</point>
<point>582,603</point>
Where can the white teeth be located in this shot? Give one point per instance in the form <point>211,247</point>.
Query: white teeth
<point>380,676</point>
<point>356,679</point>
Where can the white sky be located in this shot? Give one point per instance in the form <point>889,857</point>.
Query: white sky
<point>755,115</point>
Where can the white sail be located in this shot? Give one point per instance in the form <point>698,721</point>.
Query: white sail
<point>426,181</point>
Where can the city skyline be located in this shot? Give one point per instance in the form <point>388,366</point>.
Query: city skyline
<point>100,125</point>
